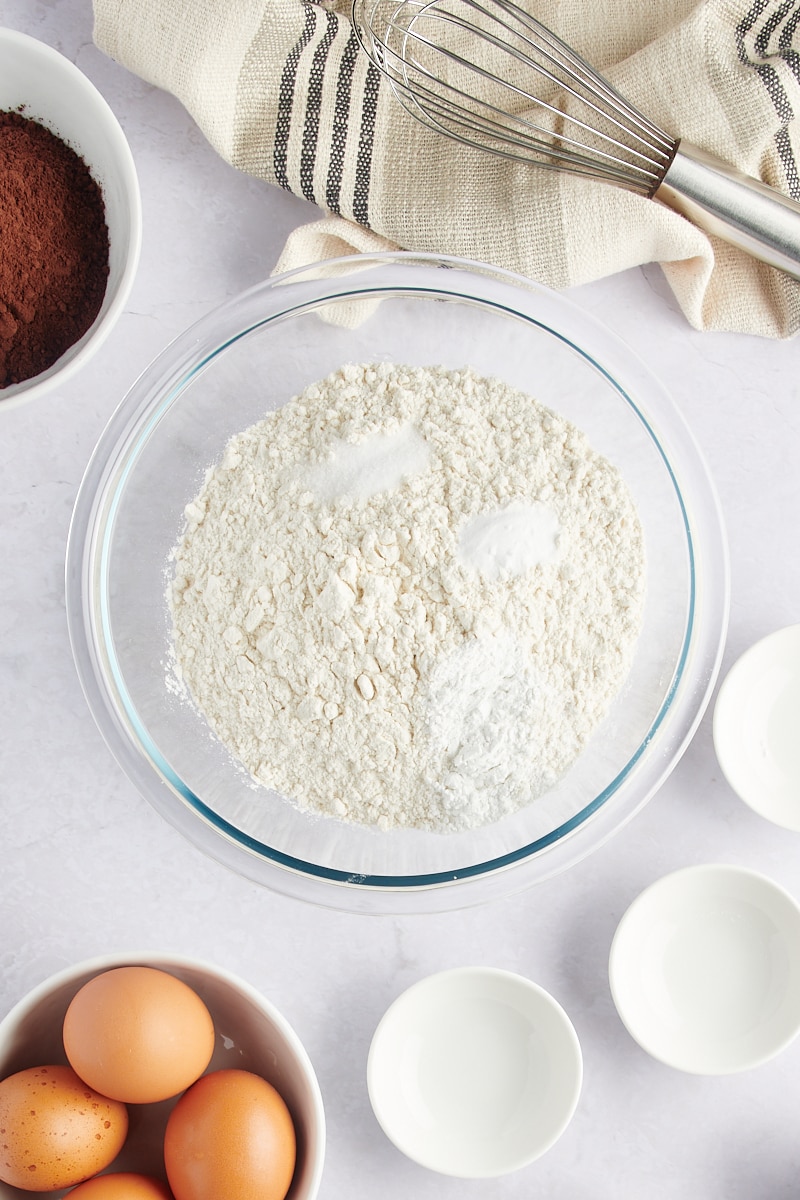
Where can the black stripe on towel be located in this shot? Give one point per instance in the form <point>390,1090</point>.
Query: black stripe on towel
<point>308,153</point>
<point>768,74</point>
<point>786,41</point>
<point>788,162</point>
<point>341,115</point>
<point>365,145</point>
<point>286,98</point>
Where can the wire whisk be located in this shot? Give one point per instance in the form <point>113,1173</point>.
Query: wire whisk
<point>489,75</point>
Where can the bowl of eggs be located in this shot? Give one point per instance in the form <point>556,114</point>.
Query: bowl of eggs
<point>149,1077</point>
<point>71,218</point>
<point>397,583</point>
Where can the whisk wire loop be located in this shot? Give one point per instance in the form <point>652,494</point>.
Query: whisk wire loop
<point>583,72</point>
<point>639,156</point>
<point>467,69</point>
<point>513,130</point>
<point>518,147</point>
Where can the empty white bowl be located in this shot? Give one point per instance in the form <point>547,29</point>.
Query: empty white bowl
<point>705,969</point>
<point>474,1072</point>
<point>757,727</point>
<point>251,1034</point>
<point>51,90</point>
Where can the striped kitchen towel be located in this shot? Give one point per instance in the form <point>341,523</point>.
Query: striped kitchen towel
<point>282,90</point>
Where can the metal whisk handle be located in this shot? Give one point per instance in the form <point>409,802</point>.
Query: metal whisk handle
<point>734,207</point>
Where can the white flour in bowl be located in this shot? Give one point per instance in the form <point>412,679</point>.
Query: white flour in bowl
<point>408,597</point>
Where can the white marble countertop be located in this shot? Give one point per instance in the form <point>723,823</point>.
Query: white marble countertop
<point>89,868</point>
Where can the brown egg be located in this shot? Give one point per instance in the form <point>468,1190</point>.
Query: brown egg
<point>230,1136</point>
<point>138,1034</point>
<point>125,1185</point>
<point>55,1130</point>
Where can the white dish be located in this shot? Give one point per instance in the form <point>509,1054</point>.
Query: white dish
<point>705,969</point>
<point>49,89</point>
<point>756,724</point>
<point>474,1072</point>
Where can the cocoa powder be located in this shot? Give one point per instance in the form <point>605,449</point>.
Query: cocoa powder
<point>53,248</point>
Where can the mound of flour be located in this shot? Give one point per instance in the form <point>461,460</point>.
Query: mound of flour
<point>408,597</point>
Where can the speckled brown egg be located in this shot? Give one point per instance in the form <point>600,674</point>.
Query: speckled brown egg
<point>56,1131</point>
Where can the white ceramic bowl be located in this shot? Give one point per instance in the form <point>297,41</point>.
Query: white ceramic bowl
<point>705,969</point>
<point>53,91</point>
<point>251,1035</point>
<point>757,727</point>
<point>474,1072</point>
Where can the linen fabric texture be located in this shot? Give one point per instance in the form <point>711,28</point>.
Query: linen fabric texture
<point>283,92</point>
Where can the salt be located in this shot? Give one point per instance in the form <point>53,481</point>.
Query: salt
<point>376,464</point>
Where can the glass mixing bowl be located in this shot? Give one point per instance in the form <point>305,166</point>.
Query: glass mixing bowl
<point>251,356</point>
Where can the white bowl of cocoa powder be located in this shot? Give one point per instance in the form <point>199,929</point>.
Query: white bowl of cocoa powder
<point>70,211</point>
